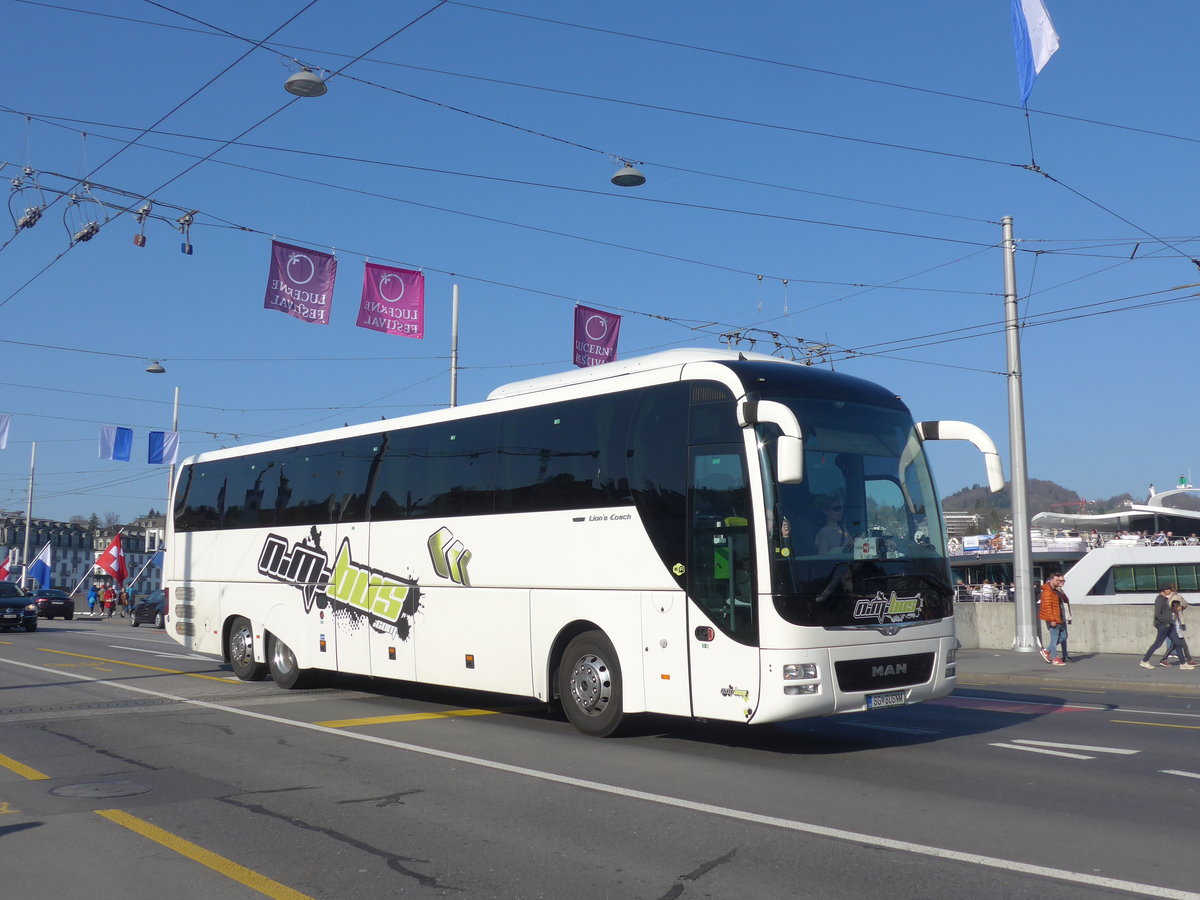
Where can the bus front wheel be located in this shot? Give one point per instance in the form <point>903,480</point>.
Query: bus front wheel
<point>241,652</point>
<point>284,670</point>
<point>589,685</point>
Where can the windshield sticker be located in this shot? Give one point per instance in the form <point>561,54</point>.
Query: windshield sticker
<point>889,608</point>
<point>354,592</point>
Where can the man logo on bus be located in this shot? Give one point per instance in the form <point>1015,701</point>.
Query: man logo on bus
<point>381,598</point>
<point>889,608</point>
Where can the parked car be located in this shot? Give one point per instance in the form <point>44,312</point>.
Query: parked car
<point>51,603</point>
<point>150,611</point>
<point>16,608</point>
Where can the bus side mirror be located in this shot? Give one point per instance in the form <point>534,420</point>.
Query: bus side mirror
<point>789,446</point>
<point>948,430</point>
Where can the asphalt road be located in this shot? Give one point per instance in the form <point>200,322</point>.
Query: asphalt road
<point>131,768</point>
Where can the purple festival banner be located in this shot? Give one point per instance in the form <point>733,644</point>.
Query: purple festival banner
<point>595,336</point>
<point>393,301</point>
<point>301,283</point>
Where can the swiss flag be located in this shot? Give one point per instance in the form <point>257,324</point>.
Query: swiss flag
<point>4,569</point>
<point>112,561</point>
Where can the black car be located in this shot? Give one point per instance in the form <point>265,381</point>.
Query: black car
<point>150,611</point>
<point>16,608</point>
<point>51,603</point>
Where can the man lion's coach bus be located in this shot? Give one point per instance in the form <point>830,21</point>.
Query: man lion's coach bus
<point>712,534</point>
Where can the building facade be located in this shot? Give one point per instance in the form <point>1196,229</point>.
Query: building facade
<point>74,548</point>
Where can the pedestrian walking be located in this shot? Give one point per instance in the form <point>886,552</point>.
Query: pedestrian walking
<point>1054,610</point>
<point>123,603</point>
<point>110,601</point>
<point>1178,605</point>
<point>1164,624</point>
<point>91,600</point>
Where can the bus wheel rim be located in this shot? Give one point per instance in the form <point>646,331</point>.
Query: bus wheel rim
<point>591,684</point>
<point>239,647</point>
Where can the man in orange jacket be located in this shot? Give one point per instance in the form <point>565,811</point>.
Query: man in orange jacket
<point>1053,610</point>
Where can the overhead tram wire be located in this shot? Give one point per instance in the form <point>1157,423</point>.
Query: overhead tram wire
<point>339,157</point>
<point>437,5</point>
<point>163,118</point>
<point>746,57</point>
<point>214,31</point>
<point>559,233</point>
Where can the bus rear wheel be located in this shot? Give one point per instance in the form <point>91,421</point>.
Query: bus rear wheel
<point>589,685</point>
<point>241,652</point>
<point>284,670</point>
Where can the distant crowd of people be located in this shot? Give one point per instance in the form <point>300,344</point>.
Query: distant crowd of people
<point>107,602</point>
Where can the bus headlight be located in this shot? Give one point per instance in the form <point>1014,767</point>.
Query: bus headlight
<point>951,658</point>
<point>793,689</point>
<point>798,671</point>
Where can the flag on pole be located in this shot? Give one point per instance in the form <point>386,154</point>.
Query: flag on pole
<point>116,443</point>
<point>4,570</point>
<point>112,561</point>
<point>5,421</point>
<point>393,301</point>
<point>300,283</point>
<point>1035,39</point>
<point>595,336</point>
<point>39,569</point>
<point>163,448</point>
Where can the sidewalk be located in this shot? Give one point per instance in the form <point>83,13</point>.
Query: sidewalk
<point>1095,671</point>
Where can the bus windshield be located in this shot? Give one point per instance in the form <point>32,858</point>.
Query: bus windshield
<point>858,542</point>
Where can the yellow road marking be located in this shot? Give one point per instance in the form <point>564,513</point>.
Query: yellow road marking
<point>410,717</point>
<point>21,769</point>
<point>118,662</point>
<point>1155,724</point>
<point>218,864</point>
<point>5,809</point>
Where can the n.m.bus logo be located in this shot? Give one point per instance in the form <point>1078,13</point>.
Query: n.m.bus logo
<point>380,597</point>
<point>885,609</point>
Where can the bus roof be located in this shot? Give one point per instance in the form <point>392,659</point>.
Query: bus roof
<point>661,360</point>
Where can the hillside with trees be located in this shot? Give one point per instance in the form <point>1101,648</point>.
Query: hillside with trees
<point>1043,496</point>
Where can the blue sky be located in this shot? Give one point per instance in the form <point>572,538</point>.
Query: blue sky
<point>858,156</point>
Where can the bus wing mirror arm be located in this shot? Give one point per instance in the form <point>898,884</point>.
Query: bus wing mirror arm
<point>964,431</point>
<point>789,446</point>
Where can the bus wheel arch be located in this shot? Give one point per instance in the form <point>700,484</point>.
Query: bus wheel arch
<point>239,642</point>
<point>285,670</point>
<point>589,683</point>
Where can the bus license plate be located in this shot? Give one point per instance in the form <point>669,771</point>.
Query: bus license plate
<point>880,701</point>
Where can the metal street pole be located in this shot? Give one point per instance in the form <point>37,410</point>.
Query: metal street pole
<point>454,348</point>
<point>171,469</point>
<point>28,518</point>
<point>1026,638</point>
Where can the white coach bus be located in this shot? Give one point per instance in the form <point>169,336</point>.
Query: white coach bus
<point>712,534</point>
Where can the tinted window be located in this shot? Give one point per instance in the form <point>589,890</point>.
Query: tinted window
<point>565,455</point>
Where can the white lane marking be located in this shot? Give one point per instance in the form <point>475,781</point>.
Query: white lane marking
<point>838,834</point>
<point>1076,747</point>
<point>1043,750</point>
<point>159,652</point>
<point>1180,773</point>
<point>899,728</point>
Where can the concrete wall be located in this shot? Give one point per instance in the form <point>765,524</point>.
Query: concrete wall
<point>1093,629</point>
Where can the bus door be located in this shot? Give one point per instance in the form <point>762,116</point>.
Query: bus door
<point>722,617</point>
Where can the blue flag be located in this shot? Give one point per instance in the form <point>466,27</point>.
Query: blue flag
<point>39,569</point>
<point>116,443</point>
<point>1035,40</point>
<point>163,447</point>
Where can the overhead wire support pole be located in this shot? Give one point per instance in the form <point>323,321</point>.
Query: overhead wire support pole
<point>454,348</point>
<point>1026,638</point>
<point>28,518</point>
